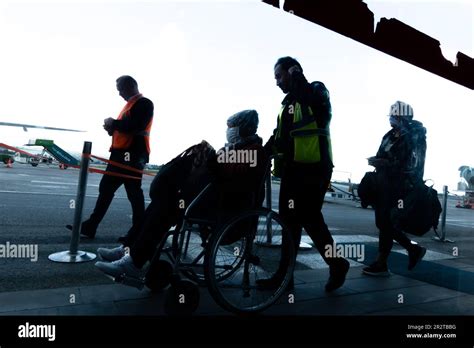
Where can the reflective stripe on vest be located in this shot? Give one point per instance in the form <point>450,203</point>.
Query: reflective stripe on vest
<point>305,136</point>
<point>123,141</point>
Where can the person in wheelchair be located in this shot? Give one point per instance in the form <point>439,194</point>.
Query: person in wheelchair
<point>236,171</point>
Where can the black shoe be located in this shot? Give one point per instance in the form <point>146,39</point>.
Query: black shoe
<point>83,233</point>
<point>274,283</point>
<point>415,256</point>
<point>377,270</point>
<point>88,229</point>
<point>337,275</point>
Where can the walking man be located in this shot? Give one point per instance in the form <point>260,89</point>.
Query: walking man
<point>130,146</point>
<point>302,145</point>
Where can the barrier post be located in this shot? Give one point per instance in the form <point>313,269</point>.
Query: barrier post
<point>73,255</point>
<point>268,202</point>
<point>268,198</point>
<point>443,218</point>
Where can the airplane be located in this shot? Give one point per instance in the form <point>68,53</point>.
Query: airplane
<point>26,126</point>
<point>8,156</point>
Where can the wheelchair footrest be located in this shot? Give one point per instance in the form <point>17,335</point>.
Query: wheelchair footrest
<point>138,283</point>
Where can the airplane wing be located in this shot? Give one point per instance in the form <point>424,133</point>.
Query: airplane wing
<point>26,126</point>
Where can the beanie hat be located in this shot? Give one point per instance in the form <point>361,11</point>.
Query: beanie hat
<point>246,120</point>
<point>401,109</point>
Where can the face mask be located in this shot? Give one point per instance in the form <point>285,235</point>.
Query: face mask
<point>395,121</point>
<point>232,135</point>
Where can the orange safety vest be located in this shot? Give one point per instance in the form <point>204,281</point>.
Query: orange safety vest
<point>122,141</point>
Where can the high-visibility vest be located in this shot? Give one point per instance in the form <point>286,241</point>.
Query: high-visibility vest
<point>306,135</point>
<point>122,141</point>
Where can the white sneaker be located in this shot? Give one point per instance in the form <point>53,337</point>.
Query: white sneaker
<point>123,266</point>
<point>113,254</point>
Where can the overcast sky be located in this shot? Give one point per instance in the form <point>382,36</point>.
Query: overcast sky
<point>202,61</point>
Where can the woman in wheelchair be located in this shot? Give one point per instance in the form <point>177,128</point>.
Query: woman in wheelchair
<point>236,172</point>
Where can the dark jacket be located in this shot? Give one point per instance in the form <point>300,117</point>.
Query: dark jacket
<point>240,184</point>
<point>237,186</point>
<point>405,152</point>
<point>314,95</point>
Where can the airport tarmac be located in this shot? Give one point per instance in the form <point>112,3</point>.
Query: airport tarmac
<point>35,208</point>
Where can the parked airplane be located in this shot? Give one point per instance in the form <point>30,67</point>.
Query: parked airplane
<point>26,126</point>
<point>8,156</point>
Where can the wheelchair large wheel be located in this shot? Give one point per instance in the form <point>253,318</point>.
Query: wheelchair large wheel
<point>239,292</point>
<point>192,255</point>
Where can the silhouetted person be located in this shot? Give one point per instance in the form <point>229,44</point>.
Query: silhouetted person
<point>399,164</point>
<point>302,142</point>
<point>236,188</point>
<point>130,146</point>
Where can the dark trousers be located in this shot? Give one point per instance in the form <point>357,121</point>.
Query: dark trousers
<point>389,198</point>
<point>159,217</point>
<point>302,192</point>
<point>163,213</point>
<point>107,187</point>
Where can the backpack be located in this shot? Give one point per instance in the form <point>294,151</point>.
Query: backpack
<point>175,174</point>
<point>419,211</point>
<point>366,190</point>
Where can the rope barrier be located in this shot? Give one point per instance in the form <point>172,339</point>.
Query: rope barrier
<point>92,170</point>
<point>123,166</point>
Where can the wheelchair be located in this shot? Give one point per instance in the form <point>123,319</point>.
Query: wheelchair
<point>228,258</point>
